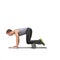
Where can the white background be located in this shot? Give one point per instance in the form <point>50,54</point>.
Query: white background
<point>43,16</point>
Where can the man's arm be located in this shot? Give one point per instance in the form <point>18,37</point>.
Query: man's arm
<point>17,38</point>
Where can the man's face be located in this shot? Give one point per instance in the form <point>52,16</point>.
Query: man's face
<point>10,33</point>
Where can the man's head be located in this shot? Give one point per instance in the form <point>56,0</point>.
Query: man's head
<point>9,32</point>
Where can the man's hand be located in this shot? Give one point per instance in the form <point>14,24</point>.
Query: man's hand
<point>15,46</point>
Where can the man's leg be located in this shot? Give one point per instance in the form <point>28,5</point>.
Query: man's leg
<point>28,37</point>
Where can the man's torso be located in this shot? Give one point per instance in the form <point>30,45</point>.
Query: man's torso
<point>22,31</point>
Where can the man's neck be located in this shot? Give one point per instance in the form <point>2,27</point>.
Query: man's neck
<point>13,32</point>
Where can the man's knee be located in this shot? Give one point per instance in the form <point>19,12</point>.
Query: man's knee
<point>28,42</point>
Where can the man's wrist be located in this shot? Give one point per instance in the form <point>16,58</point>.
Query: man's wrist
<point>16,45</point>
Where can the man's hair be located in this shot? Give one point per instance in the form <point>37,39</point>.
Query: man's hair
<point>8,30</point>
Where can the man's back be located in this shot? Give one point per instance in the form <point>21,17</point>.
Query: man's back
<point>22,31</point>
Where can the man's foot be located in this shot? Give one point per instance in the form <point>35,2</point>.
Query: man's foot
<point>42,42</point>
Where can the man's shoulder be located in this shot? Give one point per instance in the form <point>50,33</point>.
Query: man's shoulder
<point>16,30</point>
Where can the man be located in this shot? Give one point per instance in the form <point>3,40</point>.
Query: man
<point>23,31</point>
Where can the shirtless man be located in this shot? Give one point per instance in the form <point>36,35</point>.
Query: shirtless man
<point>22,31</point>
